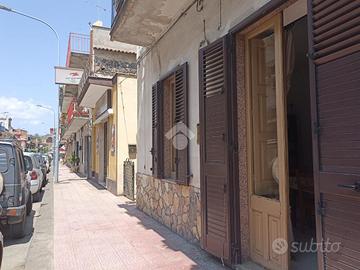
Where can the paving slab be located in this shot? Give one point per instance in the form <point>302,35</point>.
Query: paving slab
<point>93,229</point>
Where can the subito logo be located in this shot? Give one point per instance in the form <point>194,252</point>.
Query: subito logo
<point>280,246</point>
<point>180,135</point>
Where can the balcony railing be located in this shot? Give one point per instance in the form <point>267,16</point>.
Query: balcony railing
<point>116,7</point>
<point>78,43</point>
<point>101,67</point>
<point>75,110</point>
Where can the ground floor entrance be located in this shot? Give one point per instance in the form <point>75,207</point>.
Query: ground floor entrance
<point>303,175</point>
<point>289,203</point>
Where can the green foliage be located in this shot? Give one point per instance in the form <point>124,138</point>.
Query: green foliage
<point>74,159</point>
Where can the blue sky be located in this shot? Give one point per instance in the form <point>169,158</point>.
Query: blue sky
<point>28,54</point>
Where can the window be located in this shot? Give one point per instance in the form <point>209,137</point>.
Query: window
<point>264,116</point>
<point>169,123</point>
<point>169,127</point>
<point>28,162</point>
<point>3,161</point>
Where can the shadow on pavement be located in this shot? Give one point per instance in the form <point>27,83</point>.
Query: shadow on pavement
<point>29,230</point>
<point>174,241</point>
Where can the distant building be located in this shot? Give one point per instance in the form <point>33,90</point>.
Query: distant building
<point>21,136</point>
<point>5,122</point>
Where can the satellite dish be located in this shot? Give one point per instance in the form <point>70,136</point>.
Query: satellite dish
<point>1,183</point>
<point>275,169</point>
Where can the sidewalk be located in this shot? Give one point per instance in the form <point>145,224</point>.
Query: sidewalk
<point>94,229</point>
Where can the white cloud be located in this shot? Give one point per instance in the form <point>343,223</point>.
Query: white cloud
<point>21,110</point>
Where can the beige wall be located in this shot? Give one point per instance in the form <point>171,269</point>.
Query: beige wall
<point>126,122</point>
<point>181,44</point>
<point>124,105</point>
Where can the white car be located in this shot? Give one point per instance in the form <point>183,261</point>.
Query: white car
<point>35,175</point>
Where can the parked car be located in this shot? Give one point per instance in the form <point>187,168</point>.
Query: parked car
<point>15,194</point>
<point>43,167</point>
<point>35,175</point>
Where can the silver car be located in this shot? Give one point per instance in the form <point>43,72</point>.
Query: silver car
<point>35,175</point>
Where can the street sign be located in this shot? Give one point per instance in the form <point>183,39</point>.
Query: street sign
<point>68,76</point>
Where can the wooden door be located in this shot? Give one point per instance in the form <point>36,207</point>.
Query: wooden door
<point>214,149</point>
<point>267,141</point>
<point>334,43</point>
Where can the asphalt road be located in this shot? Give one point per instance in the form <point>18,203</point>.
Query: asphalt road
<point>35,250</point>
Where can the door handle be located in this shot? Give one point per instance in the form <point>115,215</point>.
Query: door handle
<point>354,187</point>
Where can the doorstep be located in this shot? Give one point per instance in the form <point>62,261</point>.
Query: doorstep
<point>249,266</point>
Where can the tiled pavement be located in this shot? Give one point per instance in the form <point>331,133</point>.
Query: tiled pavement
<point>94,229</point>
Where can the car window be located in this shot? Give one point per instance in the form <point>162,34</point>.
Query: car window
<point>19,155</point>
<point>36,163</point>
<point>3,161</point>
<point>28,162</point>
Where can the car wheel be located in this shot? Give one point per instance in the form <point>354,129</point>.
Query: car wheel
<point>29,205</point>
<point>18,230</point>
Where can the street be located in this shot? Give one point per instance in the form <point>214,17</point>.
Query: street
<point>35,250</point>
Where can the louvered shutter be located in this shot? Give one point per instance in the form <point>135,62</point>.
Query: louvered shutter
<point>334,42</point>
<point>181,121</point>
<point>213,78</point>
<point>335,26</point>
<point>157,141</point>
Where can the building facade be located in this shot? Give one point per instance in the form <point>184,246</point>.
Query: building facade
<point>241,99</point>
<point>109,88</point>
<point>75,121</point>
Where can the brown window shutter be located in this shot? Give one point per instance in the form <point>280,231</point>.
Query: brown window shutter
<point>334,43</point>
<point>181,121</point>
<point>213,101</point>
<point>156,150</point>
<point>335,29</point>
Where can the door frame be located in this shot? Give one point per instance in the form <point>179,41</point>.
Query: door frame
<point>275,22</point>
<point>315,142</point>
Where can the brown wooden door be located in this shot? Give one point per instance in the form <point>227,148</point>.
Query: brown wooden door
<point>335,76</point>
<point>214,149</point>
<point>267,144</point>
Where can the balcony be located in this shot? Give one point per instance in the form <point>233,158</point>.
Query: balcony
<point>76,118</point>
<point>76,59</point>
<point>108,58</point>
<point>143,22</point>
<point>78,50</point>
<point>116,5</point>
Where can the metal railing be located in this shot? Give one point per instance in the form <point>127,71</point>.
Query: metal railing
<point>75,110</point>
<point>77,43</point>
<point>88,71</point>
<point>116,6</point>
<point>129,179</point>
